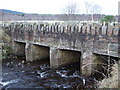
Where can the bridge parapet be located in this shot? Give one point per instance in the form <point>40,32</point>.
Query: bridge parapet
<point>43,29</point>
<point>71,36</point>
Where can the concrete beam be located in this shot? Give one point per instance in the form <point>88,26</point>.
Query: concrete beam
<point>36,52</point>
<point>60,57</point>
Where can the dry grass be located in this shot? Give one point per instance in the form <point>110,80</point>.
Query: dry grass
<point>111,82</point>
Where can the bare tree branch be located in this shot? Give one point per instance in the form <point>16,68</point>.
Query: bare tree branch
<point>92,8</point>
<point>71,8</point>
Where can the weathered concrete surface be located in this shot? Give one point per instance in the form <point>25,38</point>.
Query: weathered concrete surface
<point>91,63</point>
<point>1,57</point>
<point>36,52</point>
<point>1,54</point>
<point>54,57</point>
<point>18,48</point>
<point>84,38</point>
<point>59,57</point>
<point>86,63</point>
<point>1,34</point>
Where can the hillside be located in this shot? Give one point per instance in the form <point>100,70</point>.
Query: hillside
<point>10,11</point>
<point>9,15</point>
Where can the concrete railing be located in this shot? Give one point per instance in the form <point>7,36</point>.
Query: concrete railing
<point>36,30</point>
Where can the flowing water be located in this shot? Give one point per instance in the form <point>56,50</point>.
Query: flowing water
<point>17,73</point>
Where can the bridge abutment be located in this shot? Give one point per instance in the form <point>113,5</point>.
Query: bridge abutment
<point>18,48</point>
<point>36,52</point>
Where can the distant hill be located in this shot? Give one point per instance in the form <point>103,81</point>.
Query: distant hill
<point>10,11</point>
<point>9,15</point>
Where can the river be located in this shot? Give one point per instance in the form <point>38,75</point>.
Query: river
<point>17,73</point>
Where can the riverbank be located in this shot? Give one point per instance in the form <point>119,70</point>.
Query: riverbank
<point>113,80</point>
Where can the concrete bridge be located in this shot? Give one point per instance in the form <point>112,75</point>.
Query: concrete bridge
<point>65,44</point>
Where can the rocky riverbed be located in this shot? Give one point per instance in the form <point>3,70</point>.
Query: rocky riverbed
<point>17,73</point>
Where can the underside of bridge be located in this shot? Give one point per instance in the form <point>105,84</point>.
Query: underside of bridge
<point>100,66</point>
<point>36,52</point>
<point>89,62</point>
<point>60,57</point>
<point>92,63</point>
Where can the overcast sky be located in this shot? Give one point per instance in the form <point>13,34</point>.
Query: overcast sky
<point>109,7</point>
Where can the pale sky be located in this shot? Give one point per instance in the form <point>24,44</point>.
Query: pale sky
<point>109,7</point>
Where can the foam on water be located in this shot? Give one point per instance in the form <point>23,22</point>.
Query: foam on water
<point>62,73</point>
<point>42,74</point>
<point>9,82</point>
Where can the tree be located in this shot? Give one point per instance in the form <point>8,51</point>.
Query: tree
<point>70,9</point>
<point>92,8</point>
<point>108,18</point>
<point>104,20</point>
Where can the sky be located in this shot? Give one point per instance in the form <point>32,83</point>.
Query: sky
<point>108,7</point>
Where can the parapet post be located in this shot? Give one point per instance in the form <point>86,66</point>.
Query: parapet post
<point>35,33</point>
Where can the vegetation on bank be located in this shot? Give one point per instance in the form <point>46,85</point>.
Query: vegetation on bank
<point>7,50</point>
<point>113,80</point>
<point>6,47</point>
<point>108,19</point>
